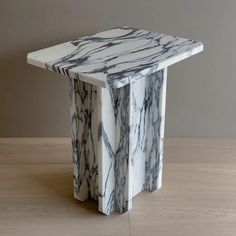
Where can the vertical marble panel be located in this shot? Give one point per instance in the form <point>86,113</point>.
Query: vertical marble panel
<point>114,150</point>
<point>148,105</point>
<point>83,98</point>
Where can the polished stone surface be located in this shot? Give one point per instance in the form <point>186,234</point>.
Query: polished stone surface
<point>117,99</point>
<point>115,57</point>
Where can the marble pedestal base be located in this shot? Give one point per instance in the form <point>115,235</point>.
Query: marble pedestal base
<point>117,139</point>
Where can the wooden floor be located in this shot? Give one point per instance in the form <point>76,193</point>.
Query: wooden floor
<point>198,196</point>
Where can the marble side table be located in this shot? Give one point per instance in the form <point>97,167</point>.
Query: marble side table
<point>117,94</point>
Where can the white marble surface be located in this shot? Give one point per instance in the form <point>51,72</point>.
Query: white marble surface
<point>117,140</point>
<point>118,94</point>
<point>115,57</point>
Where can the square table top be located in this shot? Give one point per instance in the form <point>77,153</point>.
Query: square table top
<point>115,57</point>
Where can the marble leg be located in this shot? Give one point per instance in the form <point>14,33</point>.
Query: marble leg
<point>84,133</point>
<point>147,131</point>
<point>117,140</point>
<point>115,181</point>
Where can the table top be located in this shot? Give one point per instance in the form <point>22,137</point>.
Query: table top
<point>115,57</point>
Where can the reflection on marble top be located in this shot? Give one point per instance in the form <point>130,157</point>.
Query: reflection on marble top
<point>115,57</point>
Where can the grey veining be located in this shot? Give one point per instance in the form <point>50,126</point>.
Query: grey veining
<point>115,57</point>
<point>84,139</point>
<point>117,98</point>
<point>117,139</point>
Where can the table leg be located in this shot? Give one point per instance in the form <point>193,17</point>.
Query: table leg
<point>117,139</point>
<point>83,98</point>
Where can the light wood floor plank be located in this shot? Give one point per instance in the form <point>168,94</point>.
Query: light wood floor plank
<point>198,196</point>
<point>35,150</point>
